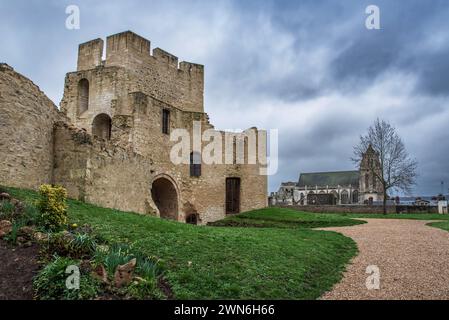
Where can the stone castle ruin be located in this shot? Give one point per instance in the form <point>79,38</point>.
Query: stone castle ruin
<point>109,144</point>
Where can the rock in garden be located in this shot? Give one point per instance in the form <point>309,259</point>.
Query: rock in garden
<point>5,228</point>
<point>28,244</point>
<point>21,240</point>
<point>100,274</point>
<point>124,274</point>
<point>5,196</point>
<point>40,237</point>
<point>27,232</point>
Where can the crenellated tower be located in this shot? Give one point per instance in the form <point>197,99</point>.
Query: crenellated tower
<point>101,89</point>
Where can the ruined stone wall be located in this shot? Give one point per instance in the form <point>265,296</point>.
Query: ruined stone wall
<point>204,195</point>
<point>108,94</point>
<point>133,88</point>
<point>119,173</point>
<point>99,172</point>
<point>26,131</point>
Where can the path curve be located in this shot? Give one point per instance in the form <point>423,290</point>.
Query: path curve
<point>413,261</point>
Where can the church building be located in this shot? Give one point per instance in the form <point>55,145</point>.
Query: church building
<point>334,188</point>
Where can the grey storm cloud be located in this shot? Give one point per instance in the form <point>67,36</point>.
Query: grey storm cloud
<point>307,68</point>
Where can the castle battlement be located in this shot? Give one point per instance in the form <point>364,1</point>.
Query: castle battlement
<point>157,73</point>
<point>129,50</point>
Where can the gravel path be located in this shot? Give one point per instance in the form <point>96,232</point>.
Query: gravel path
<point>413,261</point>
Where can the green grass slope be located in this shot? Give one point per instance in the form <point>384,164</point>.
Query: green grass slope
<point>281,261</point>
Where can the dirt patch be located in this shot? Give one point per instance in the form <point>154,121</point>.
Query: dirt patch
<point>17,268</point>
<point>166,288</point>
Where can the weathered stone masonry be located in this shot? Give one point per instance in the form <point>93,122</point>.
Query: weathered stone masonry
<point>110,145</point>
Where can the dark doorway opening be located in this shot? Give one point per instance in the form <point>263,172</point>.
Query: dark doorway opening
<point>165,197</point>
<point>192,219</point>
<point>232,195</point>
<point>101,126</point>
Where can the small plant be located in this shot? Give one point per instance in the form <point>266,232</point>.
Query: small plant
<point>145,289</point>
<point>82,246</point>
<point>118,254</point>
<point>6,209</point>
<point>52,206</point>
<point>12,236</point>
<point>149,268</point>
<point>50,283</point>
<point>31,215</point>
<point>59,243</point>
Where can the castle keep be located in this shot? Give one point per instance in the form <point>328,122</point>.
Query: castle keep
<point>109,144</point>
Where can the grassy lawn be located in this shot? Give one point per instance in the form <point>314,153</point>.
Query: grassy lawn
<point>284,260</point>
<point>286,218</point>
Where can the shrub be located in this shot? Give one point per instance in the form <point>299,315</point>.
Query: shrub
<point>50,283</point>
<point>52,206</point>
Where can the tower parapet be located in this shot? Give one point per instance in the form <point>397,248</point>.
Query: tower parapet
<point>90,54</point>
<point>157,73</point>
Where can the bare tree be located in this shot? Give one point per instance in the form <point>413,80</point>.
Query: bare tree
<point>395,170</point>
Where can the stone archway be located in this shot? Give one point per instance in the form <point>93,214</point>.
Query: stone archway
<point>165,197</point>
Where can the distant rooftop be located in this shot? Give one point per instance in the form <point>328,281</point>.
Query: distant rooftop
<point>336,178</point>
<point>288,184</point>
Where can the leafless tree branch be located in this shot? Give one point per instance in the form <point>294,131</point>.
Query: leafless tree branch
<point>398,171</point>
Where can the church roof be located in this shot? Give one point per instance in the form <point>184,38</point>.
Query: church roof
<point>288,184</point>
<point>323,179</point>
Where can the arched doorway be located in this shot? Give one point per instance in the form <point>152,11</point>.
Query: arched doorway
<point>344,197</point>
<point>101,126</point>
<point>165,198</point>
<point>335,194</point>
<point>355,196</point>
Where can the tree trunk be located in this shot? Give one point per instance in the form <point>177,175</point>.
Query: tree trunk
<point>385,202</point>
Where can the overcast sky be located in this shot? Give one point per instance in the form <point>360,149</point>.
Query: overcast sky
<point>308,68</point>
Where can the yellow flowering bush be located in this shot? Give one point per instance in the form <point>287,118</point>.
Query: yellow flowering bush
<point>52,206</point>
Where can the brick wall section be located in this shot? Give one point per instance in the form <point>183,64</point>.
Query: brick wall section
<point>26,130</point>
